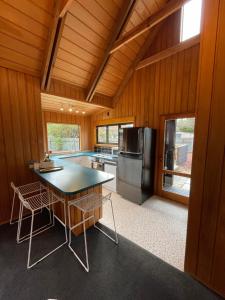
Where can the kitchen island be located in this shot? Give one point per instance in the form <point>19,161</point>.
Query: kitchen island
<point>72,182</point>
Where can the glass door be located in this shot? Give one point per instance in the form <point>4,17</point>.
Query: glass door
<point>177,138</point>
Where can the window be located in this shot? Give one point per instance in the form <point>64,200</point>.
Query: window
<point>102,135</point>
<point>191,19</point>
<point>109,134</point>
<point>63,137</point>
<point>113,132</point>
<point>178,152</point>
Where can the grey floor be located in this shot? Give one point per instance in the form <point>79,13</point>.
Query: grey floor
<point>117,272</point>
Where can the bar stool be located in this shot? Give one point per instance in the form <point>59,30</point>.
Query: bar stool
<point>34,203</point>
<point>88,204</point>
<point>25,190</point>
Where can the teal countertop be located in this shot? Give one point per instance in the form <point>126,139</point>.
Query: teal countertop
<point>78,154</point>
<point>85,153</point>
<point>74,178</point>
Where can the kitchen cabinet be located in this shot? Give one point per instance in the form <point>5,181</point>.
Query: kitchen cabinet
<point>111,169</point>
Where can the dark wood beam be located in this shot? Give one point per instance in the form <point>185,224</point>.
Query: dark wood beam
<point>168,52</point>
<point>151,37</point>
<point>60,9</point>
<point>57,39</point>
<point>125,14</point>
<point>170,8</point>
<point>50,43</point>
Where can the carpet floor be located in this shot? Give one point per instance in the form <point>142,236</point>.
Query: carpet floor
<point>126,271</point>
<point>158,225</point>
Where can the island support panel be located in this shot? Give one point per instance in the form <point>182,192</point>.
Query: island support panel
<point>76,214</point>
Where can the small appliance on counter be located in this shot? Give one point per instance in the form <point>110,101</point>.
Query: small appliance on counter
<point>47,165</point>
<point>47,162</point>
<point>136,160</point>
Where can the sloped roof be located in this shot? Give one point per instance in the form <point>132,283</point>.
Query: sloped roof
<point>25,27</point>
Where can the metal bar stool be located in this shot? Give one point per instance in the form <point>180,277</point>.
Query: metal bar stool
<point>25,190</point>
<point>88,204</point>
<point>34,203</point>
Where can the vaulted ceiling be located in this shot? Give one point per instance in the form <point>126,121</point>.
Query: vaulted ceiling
<point>24,31</point>
<point>87,29</point>
<point>72,40</point>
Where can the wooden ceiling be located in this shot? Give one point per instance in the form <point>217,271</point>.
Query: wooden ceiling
<point>24,30</point>
<point>64,105</point>
<point>70,40</point>
<point>88,26</point>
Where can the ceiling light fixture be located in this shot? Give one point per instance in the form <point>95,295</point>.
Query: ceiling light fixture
<point>61,108</point>
<point>70,109</point>
<point>77,111</point>
<point>83,112</point>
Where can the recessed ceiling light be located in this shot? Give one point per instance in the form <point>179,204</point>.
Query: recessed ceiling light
<point>70,109</point>
<point>77,111</point>
<point>61,108</point>
<point>83,112</point>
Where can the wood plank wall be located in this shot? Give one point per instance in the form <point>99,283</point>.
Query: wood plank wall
<point>21,137</point>
<point>63,89</point>
<point>205,249</point>
<point>166,87</point>
<point>84,122</point>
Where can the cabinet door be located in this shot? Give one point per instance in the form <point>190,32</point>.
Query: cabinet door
<point>111,185</point>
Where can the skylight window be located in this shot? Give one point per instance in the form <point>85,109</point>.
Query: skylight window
<point>191,19</point>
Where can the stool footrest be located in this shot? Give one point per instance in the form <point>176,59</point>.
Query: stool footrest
<point>87,204</point>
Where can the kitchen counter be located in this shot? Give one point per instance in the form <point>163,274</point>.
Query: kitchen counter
<point>94,155</point>
<point>73,182</point>
<point>74,178</point>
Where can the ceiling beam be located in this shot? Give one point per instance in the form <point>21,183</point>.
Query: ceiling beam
<point>168,52</point>
<point>65,7</point>
<point>170,8</point>
<point>60,9</point>
<point>125,14</point>
<point>151,37</point>
<point>57,39</point>
<point>50,42</point>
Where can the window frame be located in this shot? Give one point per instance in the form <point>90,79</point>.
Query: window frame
<point>182,25</point>
<point>107,132</point>
<point>63,151</point>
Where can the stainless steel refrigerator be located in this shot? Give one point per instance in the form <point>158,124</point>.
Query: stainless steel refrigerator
<point>136,161</point>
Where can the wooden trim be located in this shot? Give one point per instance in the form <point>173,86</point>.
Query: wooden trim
<point>65,8</point>
<point>126,12</point>
<point>175,197</point>
<point>178,116</point>
<point>176,173</point>
<point>152,21</point>
<point>131,70</point>
<point>116,121</point>
<point>168,52</point>
<point>160,170</point>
